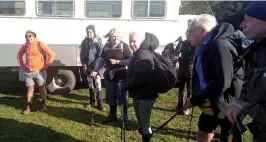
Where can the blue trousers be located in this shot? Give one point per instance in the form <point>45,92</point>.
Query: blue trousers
<point>113,94</point>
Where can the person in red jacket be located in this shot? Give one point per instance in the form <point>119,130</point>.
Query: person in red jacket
<point>35,67</point>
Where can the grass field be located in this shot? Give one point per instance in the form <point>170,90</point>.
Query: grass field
<point>67,120</point>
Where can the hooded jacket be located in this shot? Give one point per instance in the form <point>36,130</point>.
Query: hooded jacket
<point>34,58</point>
<point>90,51</point>
<point>141,84</point>
<point>217,67</point>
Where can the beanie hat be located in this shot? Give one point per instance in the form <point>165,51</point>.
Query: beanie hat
<point>91,27</point>
<point>30,31</point>
<point>257,10</point>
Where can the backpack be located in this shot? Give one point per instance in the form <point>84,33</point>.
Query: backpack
<point>42,52</point>
<point>241,45</point>
<point>171,52</point>
<point>165,73</point>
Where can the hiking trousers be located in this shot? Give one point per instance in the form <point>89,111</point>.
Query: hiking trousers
<point>143,113</point>
<point>113,94</point>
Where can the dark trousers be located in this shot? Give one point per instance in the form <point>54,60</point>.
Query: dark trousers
<point>185,79</point>
<point>113,96</point>
<point>184,82</point>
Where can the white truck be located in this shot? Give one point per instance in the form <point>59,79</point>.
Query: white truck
<point>61,24</point>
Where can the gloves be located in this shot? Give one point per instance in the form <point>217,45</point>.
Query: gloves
<point>238,103</point>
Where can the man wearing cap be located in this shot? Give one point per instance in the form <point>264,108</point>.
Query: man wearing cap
<point>252,101</point>
<point>35,67</point>
<point>91,48</point>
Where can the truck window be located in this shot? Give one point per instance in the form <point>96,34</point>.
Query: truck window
<point>148,8</point>
<point>103,9</point>
<point>12,8</point>
<point>55,8</point>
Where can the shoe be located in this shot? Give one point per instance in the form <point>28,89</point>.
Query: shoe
<point>186,112</point>
<point>27,109</point>
<point>110,118</point>
<point>89,104</point>
<point>43,107</point>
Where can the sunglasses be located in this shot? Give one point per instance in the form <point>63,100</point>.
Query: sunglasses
<point>28,36</point>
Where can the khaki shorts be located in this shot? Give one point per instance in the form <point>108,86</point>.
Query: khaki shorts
<point>35,78</point>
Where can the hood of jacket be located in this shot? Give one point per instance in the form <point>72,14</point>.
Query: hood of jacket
<point>36,37</point>
<point>150,42</point>
<point>222,31</point>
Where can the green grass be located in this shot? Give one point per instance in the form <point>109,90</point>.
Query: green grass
<point>68,121</point>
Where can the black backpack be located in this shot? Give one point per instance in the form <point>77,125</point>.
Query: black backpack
<point>172,52</point>
<point>165,73</point>
<point>241,45</point>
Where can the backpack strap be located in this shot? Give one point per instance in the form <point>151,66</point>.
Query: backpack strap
<point>41,51</point>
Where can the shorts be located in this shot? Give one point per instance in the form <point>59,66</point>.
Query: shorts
<point>35,78</point>
<point>209,123</point>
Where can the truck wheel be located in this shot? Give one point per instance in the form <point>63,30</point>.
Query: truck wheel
<point>62,82</point>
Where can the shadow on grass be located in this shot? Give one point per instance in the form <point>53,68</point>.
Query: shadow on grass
<point>65,101</point>
<point>14,88</point>
<point>180,133</point>
<point>90,117</point>
<point>76,97</point>
<point>13,131</point>
<point>164,109</point>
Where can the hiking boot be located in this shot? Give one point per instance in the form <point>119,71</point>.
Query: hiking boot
<point>100,107</point>
<point>110,118</point>
<point>146,138</point>
<point>99,101</point>
<point>92,99</point>
<point>27,109</point>
<point>112,115</point>
<point>43,107</point>
<point>89,104</point>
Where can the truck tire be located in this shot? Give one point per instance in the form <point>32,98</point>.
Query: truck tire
<point>62,82</point>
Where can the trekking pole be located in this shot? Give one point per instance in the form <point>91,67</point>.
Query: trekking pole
<point>237,127</point>
<point>190,121</point>
<point>123,133</point>
<point>181,110</point>
<point>231,133</point>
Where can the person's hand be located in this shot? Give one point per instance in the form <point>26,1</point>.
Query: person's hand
<point>113,61</point>
<point>94,74</point>
<point>232,112</point>
<point>188,104</point>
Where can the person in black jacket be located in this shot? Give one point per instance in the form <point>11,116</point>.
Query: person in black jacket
<point>213,69</point>
<point>91,49</point>
<point>184,74</point>
<point>141,85</point>
<point>252,101</point>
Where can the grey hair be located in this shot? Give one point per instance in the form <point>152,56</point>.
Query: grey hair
<point>206,21</point>
<point>139,35</point>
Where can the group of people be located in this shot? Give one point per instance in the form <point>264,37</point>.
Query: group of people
<point>127,68</point>
<point>214,75</point>
<point>206,66</point>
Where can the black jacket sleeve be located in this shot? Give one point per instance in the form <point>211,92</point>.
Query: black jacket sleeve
<point>143,69</point>
<point>219,71</point>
